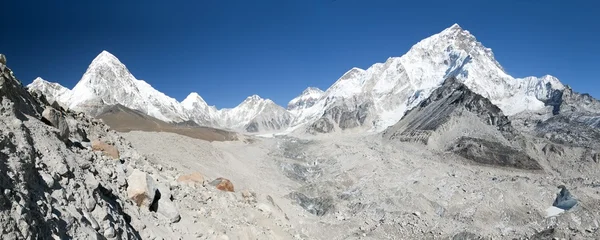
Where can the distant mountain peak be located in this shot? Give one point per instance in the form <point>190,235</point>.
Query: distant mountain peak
<point>254,98</point>
<point>455,27</point>
<point>193,100</point>
<point>306,99</point>
<point>310,90</point>
<point>106,57</point>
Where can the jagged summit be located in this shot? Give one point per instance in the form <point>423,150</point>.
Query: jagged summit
<point>105,56</point>
<point>254,97</point>
<point>192,100</point>
<point>306,99</point>
<point>52,91</point>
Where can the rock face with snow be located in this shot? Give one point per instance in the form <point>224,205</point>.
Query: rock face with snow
<point>401,83</point>
<point>199,111</point>
<point>256,114</point>
<point>453,118</point>
<point>107,80</point>
<point>307,99</point>
<point>53,92</point>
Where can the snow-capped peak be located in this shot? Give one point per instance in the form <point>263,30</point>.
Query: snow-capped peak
<point>107,81</point>
<point>306,99</point>
<point>52,91</point>
<point>312,91</point>
<point>104,57</point>
<point>193,100</point>
<point>253,98</point>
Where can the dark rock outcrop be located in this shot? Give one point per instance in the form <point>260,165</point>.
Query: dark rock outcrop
<point>492,153</point>
<point>448,111</point>
<point>343,116</point>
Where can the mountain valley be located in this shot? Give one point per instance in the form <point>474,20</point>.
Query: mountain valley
<point>440,143</point>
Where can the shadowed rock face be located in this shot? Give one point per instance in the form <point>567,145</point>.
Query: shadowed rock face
<point>436,110</point>
<point>465,123</point>
<point>343,116</point>
<point>575,120</point>
<point>491,153</point>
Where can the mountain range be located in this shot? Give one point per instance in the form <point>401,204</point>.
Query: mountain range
<point>370,99</point>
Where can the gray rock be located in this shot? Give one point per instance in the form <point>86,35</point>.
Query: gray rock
<point>90,204</point>
<point>2,59</point>
<point>141,188</point>
<point>91,220</point>
<point>91,181</point>
<point>63,170</point>
<point>168,209</point>
<point>86,144</point>
<point>109,232</point>
<point>165,190</point>
<point>57,120</point>
<point>47,179</point>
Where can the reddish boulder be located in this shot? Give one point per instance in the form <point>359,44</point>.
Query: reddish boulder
<point>108,150</point>
<point>223,184</point>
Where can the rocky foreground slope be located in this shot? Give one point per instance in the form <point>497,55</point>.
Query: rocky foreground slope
<point>66,176</point>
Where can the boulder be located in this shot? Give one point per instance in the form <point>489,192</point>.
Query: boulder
<point>2,59</point>
<point>57,120</point>
<point>109,232</point>
<point>223,184</point>
<point>48,179</point>
<point>141,188</point>
<point>106,149</point>
<point>192,178</point>
<point>168,209</point>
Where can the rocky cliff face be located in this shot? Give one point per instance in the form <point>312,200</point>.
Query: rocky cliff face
<point>575,120</point>
<point>454,118</point>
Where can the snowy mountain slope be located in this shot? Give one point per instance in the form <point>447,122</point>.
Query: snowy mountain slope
<point>199,111</point>
<point>393,87</point>
<point>306,99</point>
<point>255,114</point>
<point>52,91</point>
<point>109,82</point>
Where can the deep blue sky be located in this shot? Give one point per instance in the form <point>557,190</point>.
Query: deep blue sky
<point>228,50</point>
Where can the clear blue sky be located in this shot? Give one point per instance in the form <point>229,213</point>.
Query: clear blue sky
<point>228,50</point>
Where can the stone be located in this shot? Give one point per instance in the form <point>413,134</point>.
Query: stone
<point>192,178</point>
<point>121,176</point>
<point>2,59</point>
<point>106,149</point>
<point>57,120</point>
<point>85,144</point>
<point>91,220</point>
<point>91,181</point>
<point>164,189</point>
<point>90,204</point>
<point>168,209</point>
<point>63,170</point>
<point>141,188</point>
<point>47,179</point>
<point>109,232</point>
<point>223,184</point>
